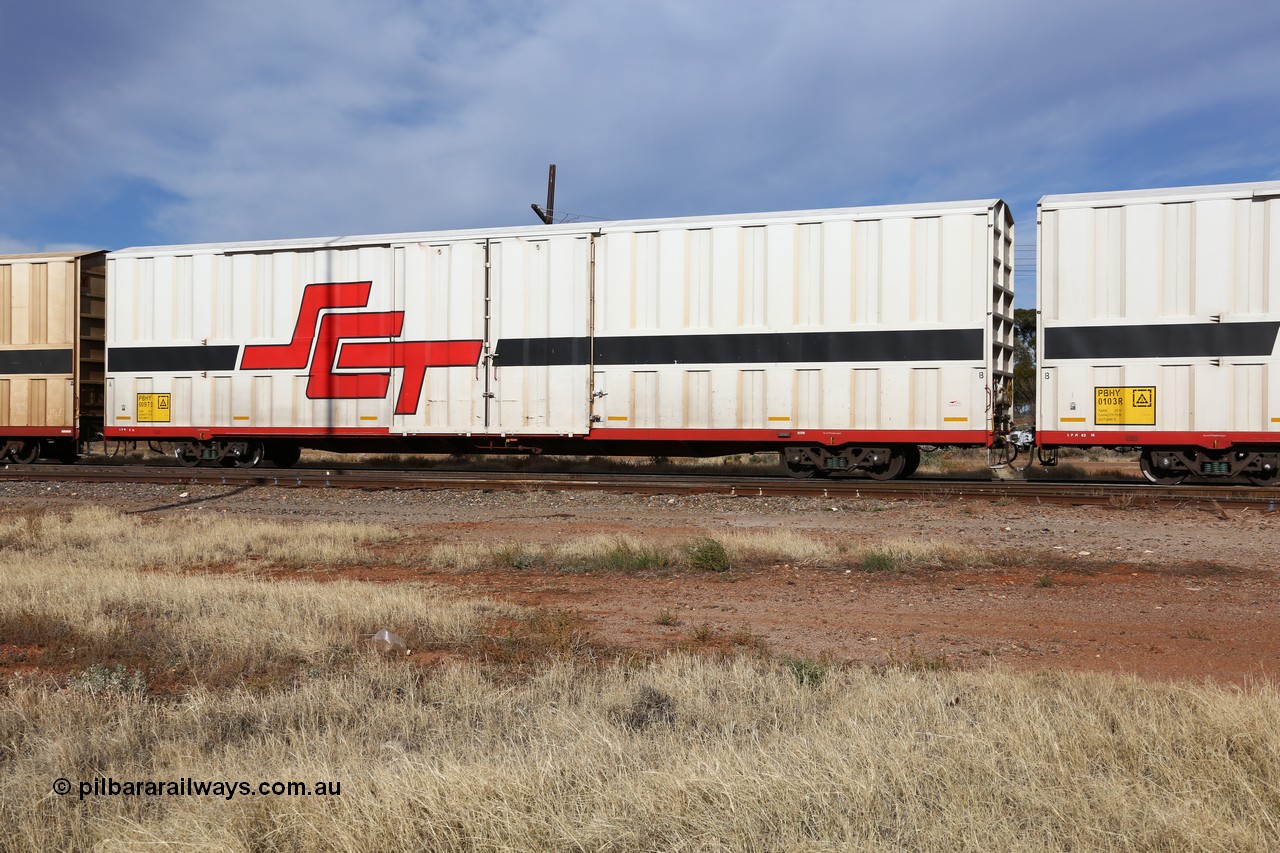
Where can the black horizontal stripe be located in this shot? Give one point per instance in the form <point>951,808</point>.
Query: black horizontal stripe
<point>526,352</point>
<point>1165,340</point>
<point>748,348</point>
<point>36,361</point>
<point>171,359</point>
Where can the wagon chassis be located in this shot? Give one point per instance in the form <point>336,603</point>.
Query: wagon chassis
<point>1170,466</point>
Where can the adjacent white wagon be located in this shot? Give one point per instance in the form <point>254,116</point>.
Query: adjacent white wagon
<point>1159,322</point>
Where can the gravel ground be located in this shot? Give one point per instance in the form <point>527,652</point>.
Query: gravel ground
<point>1182,593</point>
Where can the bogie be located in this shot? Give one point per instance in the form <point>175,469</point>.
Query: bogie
<point>878,463</point>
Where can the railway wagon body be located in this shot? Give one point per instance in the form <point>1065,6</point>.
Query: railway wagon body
<point>1158,319</point>
<point>52,345</point>
<point>842,338</point>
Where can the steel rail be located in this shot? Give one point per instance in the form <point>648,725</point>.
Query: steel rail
<point>1096,492</point>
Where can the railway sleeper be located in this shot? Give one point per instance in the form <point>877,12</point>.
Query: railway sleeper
<point>1170,466</point>
<point>879,463</point>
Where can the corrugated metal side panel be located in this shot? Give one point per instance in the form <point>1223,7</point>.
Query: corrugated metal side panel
<point>39,305</point>
<point>441,288</point>
<point>540,289</point>
<point>1154,262</point>
<point>212,300</point>
<point>1202,397</point>
<point>934,271</point>
<point>1204,262</point>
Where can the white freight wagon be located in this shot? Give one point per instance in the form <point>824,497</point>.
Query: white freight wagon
<point>52,346</point>
<point>843,338</point>
<point>1159,313</point>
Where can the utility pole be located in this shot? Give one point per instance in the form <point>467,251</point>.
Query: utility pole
<point>548,216</point>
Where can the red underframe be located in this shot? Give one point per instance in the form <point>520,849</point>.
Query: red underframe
<point>1207,440</point>
<point>13,432</point>
<point>975,438</point>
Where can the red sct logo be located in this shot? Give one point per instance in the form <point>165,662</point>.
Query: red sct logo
<point>325,340</point>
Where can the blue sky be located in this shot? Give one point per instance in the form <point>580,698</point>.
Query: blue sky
<point>147,121</point>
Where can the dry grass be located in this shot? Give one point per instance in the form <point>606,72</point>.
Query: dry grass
<point>99,536</point>
<point>684,754</point>
<point>101,587</point>
<point>742,550</point>
<point>539,744</point>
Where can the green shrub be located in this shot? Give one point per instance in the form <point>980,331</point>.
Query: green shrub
<point>519,557</point>
<point>807,673</point>
<point>879,560</point>
<point>98,679</point>
<point>708,555</point>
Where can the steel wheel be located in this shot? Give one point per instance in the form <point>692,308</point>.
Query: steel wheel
<point>913,460</point>
<point>284,455</point>
<point>800,472</point>
<point>1263,478</point>
<point>891,470</point>
<point>253,458</point>
<point>28,453</point>
<point>1159,476</point>
<point>188,455</point>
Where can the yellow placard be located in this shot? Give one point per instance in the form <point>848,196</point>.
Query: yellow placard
<point>153,408</point>
<point>1126,405</point>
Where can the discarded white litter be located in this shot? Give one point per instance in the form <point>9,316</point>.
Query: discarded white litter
<point>387,642</point>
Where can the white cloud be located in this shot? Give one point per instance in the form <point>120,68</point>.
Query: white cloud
<point>12,246</point>
<point>294,118</point>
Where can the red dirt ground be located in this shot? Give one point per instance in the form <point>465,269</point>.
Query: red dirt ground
<point>1186,593</point>
<point>1173,625</point>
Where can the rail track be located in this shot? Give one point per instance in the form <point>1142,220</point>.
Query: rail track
<point>1095,492</point>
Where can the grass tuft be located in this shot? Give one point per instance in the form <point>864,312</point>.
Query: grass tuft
<point>650,707</point>
<point>98,679</point>
<point>807,673</point>
<point>879,560</point>
<point>708,555</point>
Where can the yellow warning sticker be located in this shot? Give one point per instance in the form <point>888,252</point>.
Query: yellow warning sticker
<point>1126,405</point>
<point>153,408</point>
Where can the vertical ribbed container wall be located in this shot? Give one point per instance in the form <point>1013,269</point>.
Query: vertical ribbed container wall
<point>51,339</point>
<point>1159,313</point>
<point>379,336</point>
<point>890,323</point>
